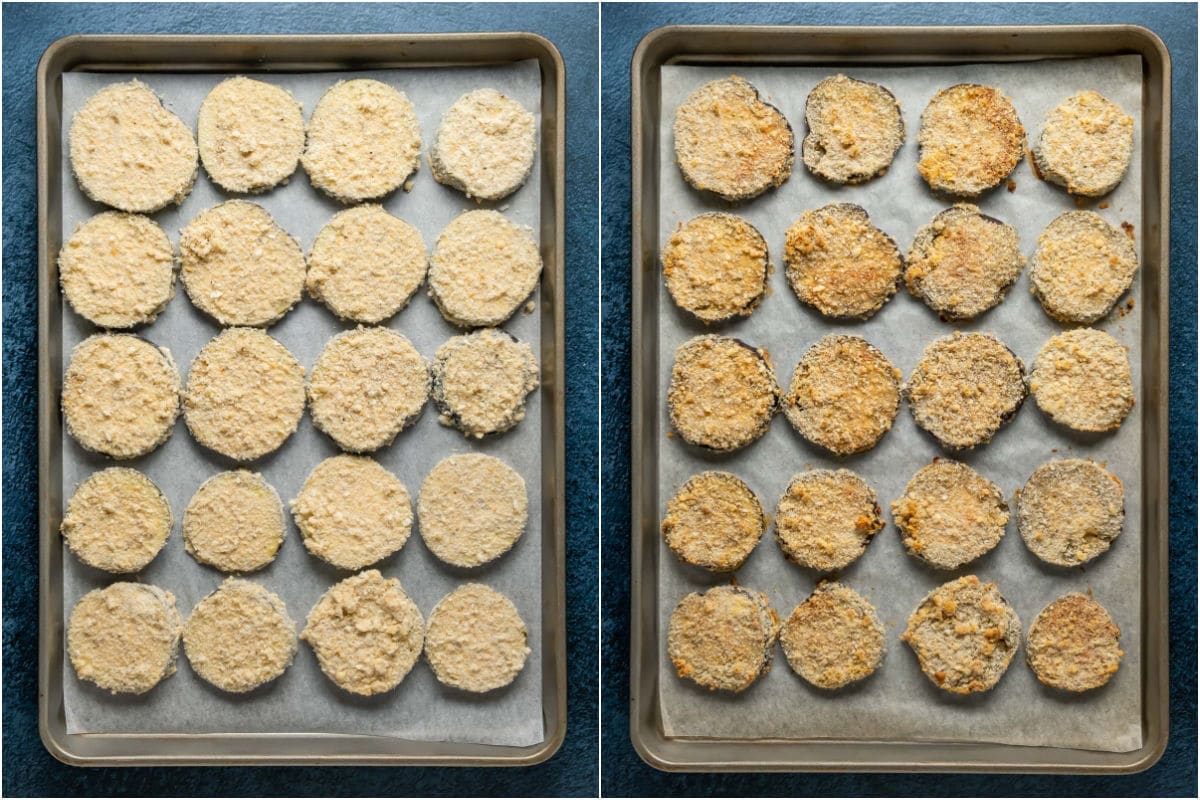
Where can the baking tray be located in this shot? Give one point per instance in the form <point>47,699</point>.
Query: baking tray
<point>265,54</point>
<point>840,47</point>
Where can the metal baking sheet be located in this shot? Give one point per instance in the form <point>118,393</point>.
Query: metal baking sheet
<point>898,703</point>
<point>303,701</point>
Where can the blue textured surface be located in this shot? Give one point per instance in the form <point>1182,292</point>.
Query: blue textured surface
<point>622,772</point>
<point>28,29</point>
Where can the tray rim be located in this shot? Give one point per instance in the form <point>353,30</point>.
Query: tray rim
<point>1005,43</point>
<point>226,748</point>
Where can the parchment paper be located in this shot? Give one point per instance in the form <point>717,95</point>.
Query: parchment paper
<point>303,699</point>
<point>899,702</point>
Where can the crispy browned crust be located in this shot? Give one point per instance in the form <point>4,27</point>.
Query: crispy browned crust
<point>971,139</point>
<point>723,638</point>
<point>950,515</point>
<point>826,518</point>
<point>834,638</point>
<point>839,263</point>
<point>854,129</point>
<point>1073,644</point>
<point>714,521</point>
<point>1081,379</point>
<point>723,393</point>
<point>715,267</point>
<point>844,395</point>
<point>1082,267</point>
<point>730,142</point>
<point>1085,145</point>
<point>1070,511</point>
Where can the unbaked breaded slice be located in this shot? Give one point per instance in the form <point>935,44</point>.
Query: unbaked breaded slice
<point>120,395</point>
<point>965,635</point>
<point>1073,644</point>
<point>826,518</point>
<point>854,130</point>
<point>240,637</point>
<point>364,141</point>
<point>484,146</point>
<point>366,632</point>
<point>834,638</point>
<point>234,522</point>
<point>730,142</point>
<point>715,266</point>
<point>129,152</point>
<point>723,393</point>
<point>1085,145</point>
<point>118,270</point>
<point>844,395</point>
<point>723,638</point>
<point>839,263</point>
<point>124,637</point>
<point>1081,379</point>
<point>971,139</point>
<point>963,262</point>
<point>352,512</point>
<point>1082,267</point>
<point>476,640</point>
<point>472,509</point>
<point>251,135</point>
<point>965,388</point>
<point>239,266</point>
<point>367,386</point>
<point>950,515</point>
<point>481,381</point>
<point>1070,511</point>
<point>714,521</point>
<point>118,520</point>
<point>245,394</point>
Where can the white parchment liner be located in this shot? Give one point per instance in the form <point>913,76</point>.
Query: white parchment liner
<point>303,699</point>
<point>899,702</point>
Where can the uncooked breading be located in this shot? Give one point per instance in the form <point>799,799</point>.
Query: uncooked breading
<point>251,135</point>
<point>481,380</point>
<point>124,637</point>
<point>117,520</point>
<point>476,639</point>
<point>472,509</point>
<point>484,146</point>
<point>240,636</point>
<point>234,522</point>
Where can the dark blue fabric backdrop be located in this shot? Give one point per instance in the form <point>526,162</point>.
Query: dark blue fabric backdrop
<point>622,27</point>
<point>28,29</point>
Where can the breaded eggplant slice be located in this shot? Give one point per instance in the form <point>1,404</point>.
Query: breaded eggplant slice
<point>364,141</point>
<point>483,267</point>
<point>352,512</point>
<point>964,634</point>
<point>1082,267</point>
<point>124,637</point>
<point>723,393</point>
<point>239,266</point>
<point>484,146</point>
<point>826,518</point>
<point>245,394</point>
<point>1081,379</point>
<point>963,262</point>
<point>844,395</point>
<point>1085,146</point>
<point>965,388</point>
<point>834,638</point>
<point>234,522</point>
<point>366,632</point>
<point>251,135</point>
<point>481,381</point>
<point>1070,510</point>
<point>1073,644</point>
<point>950,515</point>
<point>854,130</point>
<point>730,142</point>
<point>716,266</point>
<point>120,395</point>
<point>365,265</point>
<point>839,263</point>
<point>476,641</point>
<point>723,638</point>
<point>714,521</point>
<point>367,385</point>
<point>129,152</point>
<point>118,270</point>
<point>117,520</point>
<point>971,139</point>
<point>240,637</point>
<point>472,509</point>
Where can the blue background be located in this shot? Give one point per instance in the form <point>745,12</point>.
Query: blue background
<point>28,29</point>
<point>623,26</point>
